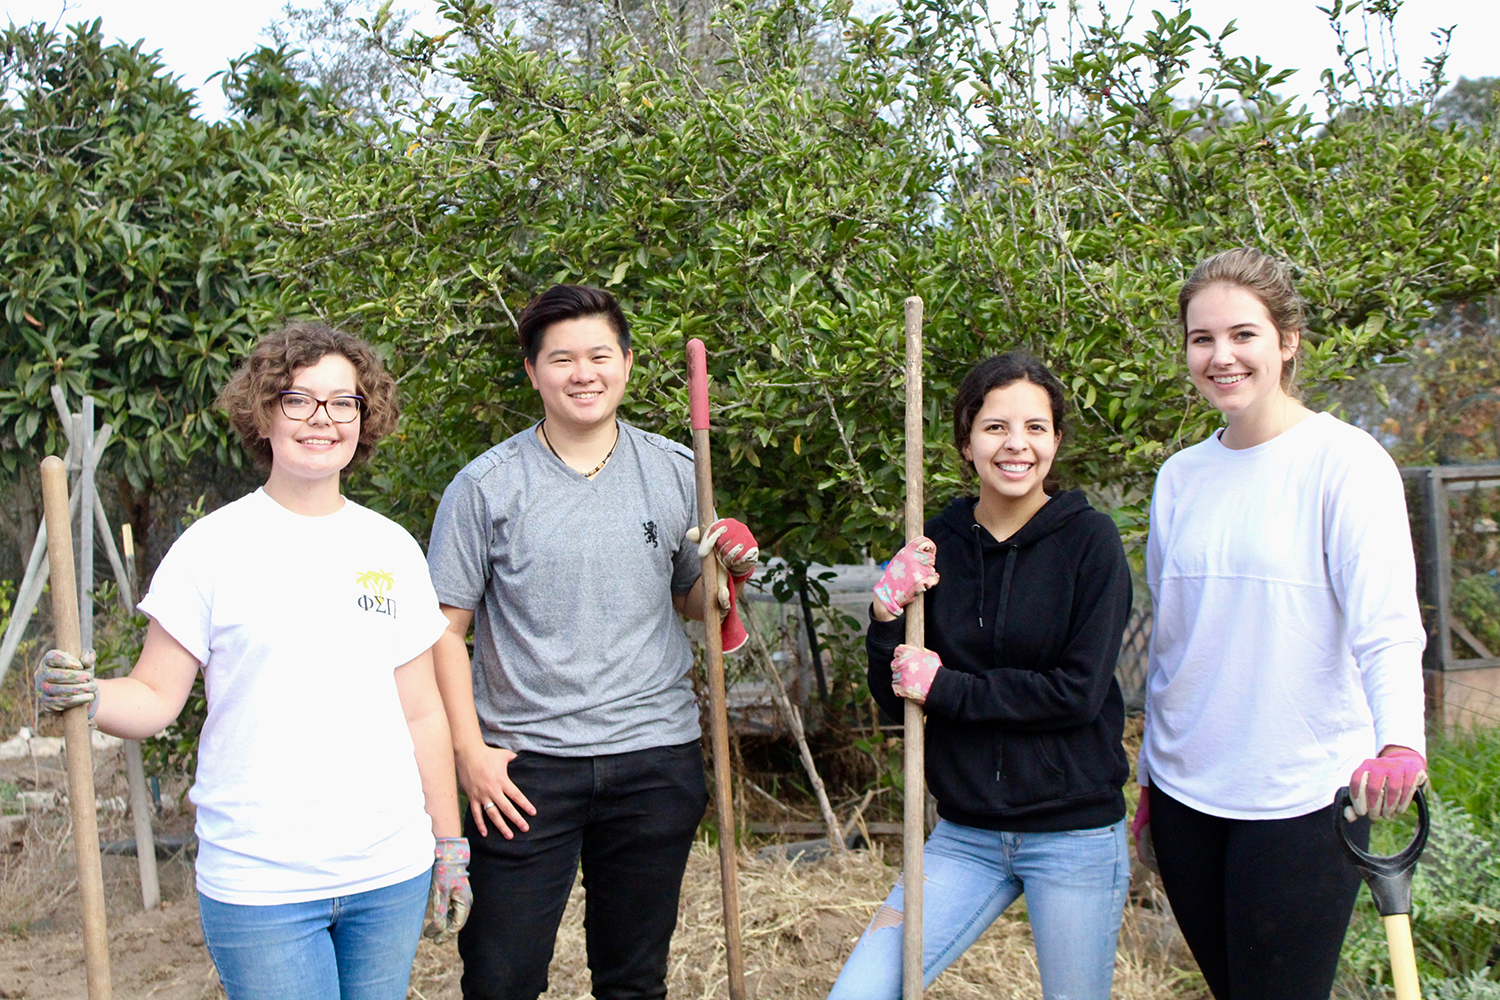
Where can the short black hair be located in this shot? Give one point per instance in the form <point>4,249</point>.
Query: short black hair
<point>997,373</point>
<point>564,302</point>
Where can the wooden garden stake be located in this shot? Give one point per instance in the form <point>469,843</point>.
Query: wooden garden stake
<point>914,813</point>
<point>76,729</point>
<point>718,712</point>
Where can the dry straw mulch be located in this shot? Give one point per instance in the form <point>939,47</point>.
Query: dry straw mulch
<point>800,923</point>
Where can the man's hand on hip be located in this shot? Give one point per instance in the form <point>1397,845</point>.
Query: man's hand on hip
<point>483,771</point>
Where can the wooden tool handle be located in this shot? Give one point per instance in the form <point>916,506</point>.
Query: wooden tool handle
<point>1403,957</point>
<point>76,729</point>
<point>718,699</point>
<point>913,829</point>
<point>697,356</point>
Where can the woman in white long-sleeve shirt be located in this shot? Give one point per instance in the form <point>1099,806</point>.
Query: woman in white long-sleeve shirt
<point>1285,651</point>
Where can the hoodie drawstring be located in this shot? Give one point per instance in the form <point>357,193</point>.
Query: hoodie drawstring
<point>979,551</point>
<point>1010,565</point>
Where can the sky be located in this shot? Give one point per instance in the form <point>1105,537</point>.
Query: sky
<point>197,40</point>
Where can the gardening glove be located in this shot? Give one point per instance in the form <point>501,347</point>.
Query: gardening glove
<point>912,671</point>
<point>1383,786</point>
<point>735,544</point>
<point>907,575</point>
<point>735,548</point>
<point>1140,831</point>
<point>449,901</point>
<point>64,681</point>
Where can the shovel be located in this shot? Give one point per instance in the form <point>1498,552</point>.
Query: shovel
<point>1389,879</point>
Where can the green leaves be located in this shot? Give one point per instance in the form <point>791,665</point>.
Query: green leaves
<point>130,226</point>
<point>781,199</point>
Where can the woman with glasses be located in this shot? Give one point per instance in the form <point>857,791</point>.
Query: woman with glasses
<point>327,811</point>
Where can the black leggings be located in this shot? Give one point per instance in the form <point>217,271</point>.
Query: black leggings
<point>1263,904</point>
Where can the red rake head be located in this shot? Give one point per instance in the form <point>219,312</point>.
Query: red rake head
<point>697,356</point>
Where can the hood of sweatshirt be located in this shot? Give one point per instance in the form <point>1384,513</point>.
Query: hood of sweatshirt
<point>958,517</point>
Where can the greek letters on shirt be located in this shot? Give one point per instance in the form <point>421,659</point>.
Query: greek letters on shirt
<point>376,584</point>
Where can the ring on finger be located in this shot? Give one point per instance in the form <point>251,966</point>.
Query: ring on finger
<point>489,805</point>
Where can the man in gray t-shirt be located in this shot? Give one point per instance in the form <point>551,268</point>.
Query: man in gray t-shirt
<point>575,729</point>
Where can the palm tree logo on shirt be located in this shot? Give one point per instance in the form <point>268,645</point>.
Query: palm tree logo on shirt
<point>376,583</point>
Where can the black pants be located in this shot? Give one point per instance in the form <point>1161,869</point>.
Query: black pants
<point>630,818</point>
<point>1263,904</point>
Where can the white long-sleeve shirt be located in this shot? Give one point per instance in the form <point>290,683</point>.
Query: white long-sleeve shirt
<point>1286,643</point>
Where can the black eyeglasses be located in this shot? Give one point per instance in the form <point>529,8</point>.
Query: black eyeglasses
<point>340,409</point>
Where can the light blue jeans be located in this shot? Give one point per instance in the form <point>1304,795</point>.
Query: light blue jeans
<point>1075,883</point>
<point>357,947</point>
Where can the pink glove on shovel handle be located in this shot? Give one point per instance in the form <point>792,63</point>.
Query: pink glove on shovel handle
<point>908,574</point>
<point>1383,786</point>
<point>912,671</point>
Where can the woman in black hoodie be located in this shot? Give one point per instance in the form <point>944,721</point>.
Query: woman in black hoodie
<point>1024,717</point>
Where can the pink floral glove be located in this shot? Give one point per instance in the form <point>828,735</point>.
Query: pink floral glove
<point>64,681</point>
<point>449,901</point>
<point>908,574</point>
<point>912,672</point>
<point>1383,786</point>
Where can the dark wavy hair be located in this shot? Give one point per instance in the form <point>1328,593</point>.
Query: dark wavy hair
<point>253,392</point>
<point>997,373</point>
<point>564,302</point>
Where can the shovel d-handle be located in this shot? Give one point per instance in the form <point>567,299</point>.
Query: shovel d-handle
<point>1388,876</point>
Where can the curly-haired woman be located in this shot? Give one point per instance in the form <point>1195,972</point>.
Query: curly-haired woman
<point>324,766</point>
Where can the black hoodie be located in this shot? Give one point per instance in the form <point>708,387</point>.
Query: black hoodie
<point>1025,718</point>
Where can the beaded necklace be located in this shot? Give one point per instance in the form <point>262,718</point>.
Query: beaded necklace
<point>596,469</point>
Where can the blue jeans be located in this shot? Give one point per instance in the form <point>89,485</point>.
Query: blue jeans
<point>1075,883</point>
<point>357,947</point>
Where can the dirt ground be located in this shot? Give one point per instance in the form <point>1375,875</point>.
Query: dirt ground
<point>800,922</point>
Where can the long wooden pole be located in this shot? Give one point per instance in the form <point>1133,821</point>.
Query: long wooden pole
<point>718,699</point>
<point>914,813</point>
<point>76,729</point>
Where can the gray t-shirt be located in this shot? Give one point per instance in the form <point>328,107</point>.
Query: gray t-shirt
<point>577,649</point>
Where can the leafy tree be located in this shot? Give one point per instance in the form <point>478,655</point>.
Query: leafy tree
<point>1470,104</point>
<point>331,44</point>
<point>131,229</point>
<point>1055,206</point>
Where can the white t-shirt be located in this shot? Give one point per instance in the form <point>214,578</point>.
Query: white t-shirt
<point>307,783</point>
<point>1286,645</point>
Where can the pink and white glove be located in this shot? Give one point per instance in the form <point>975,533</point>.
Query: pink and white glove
<point>1383,786</point>
<point>450,898</point>
<point>907,575</point>
<point>735,544</point>
<point>912,671</point>
<point>736,549</point>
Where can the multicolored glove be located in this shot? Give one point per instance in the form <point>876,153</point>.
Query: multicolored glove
<point>450,899</point>
<point>912,671</point>
<point>907,575</point>
<point>1383,786</point>
<point>1140,831</point>
<point>736,549</point>
<point>64,681</point>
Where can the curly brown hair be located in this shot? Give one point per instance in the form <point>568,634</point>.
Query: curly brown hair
<point>253,392</point>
